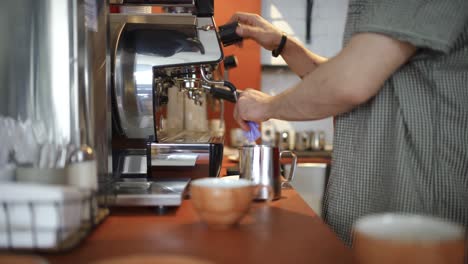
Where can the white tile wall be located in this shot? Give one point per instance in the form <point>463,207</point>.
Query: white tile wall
<point>328,19</point>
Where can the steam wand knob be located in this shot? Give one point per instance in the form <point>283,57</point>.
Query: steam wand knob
<point>228,35</point>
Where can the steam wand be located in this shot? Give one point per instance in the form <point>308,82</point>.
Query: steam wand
<point>216,88</point>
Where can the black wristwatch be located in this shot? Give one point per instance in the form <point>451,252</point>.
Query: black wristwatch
<point>276,52</point>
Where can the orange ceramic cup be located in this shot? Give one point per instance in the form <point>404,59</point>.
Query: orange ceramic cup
<point>404,238</point>
<point>221,203</point>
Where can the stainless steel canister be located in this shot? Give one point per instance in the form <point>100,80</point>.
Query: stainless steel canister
<point>282,140</point>
<point>261,164</point>
<point>317,140</point>
<point>302,141</point>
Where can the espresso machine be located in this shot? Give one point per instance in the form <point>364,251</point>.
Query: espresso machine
<point>166,76</point>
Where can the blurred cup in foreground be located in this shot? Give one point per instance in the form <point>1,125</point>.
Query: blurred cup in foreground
<point>221,203</point>
<point>406,238</point>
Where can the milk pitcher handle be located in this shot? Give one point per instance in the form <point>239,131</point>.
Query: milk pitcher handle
<point>292,172</point>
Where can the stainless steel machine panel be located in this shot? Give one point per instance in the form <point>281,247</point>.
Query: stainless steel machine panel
<point>141,42</point>
<point>53,78</point>
<point>150,193</point>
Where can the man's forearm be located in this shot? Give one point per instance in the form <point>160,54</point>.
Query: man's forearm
<point>299,59</point>
<point>318,95</point>
<point>351,78</point>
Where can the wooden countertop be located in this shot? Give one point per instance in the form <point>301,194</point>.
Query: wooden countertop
<point>284,231</point>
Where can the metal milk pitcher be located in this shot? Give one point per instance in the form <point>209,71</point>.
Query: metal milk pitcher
<point>261,164</point>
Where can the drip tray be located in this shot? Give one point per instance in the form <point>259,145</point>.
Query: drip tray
<point>150,193</point>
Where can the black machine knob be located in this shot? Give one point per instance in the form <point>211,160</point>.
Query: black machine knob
<point>205,8</point>
<point>228,34</point>
<point>230,62</point>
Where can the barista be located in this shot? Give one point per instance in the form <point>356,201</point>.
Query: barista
<point>399,93</point>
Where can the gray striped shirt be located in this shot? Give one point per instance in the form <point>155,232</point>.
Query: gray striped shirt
<point>406,149</point>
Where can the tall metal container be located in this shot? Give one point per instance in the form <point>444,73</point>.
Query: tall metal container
<point>53,83</point>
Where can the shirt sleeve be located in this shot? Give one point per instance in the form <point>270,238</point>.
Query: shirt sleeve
<point>432,24</point>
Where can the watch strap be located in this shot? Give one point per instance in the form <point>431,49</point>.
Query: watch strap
<point>276,52</point>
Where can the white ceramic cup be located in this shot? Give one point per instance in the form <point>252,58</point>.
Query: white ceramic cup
<point>408,238</point>
<point>237,137</point>
<point>217,126</point>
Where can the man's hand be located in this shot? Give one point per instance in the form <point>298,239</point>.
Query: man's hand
<point>252,105</point>
<point>300,60</point>
<point>257,28</point>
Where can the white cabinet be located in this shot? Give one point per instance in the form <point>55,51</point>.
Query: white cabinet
<point>309,182</point>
